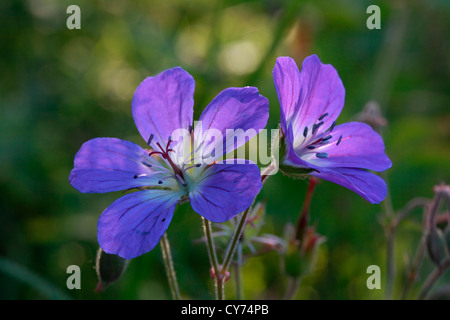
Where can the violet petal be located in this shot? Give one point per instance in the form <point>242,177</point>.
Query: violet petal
<point>110,164</point>
<point>368,185</point>
<point>225,190</point>
<point>163,104</point>
<point>233,108</point>
<point>134,223</point>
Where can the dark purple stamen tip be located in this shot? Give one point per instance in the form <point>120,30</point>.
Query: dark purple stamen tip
<point>305,132</point>
<point>310,147</point>
<point>317,126</point>
<point>323,116</point>
<point>322,155</point>
<point>135,176</point>
<point>339,141</point>
<point>146,164</point>
<point>160,182</point>
<point>332,126</point>
<point>327,138</point>
<point>150,139</point>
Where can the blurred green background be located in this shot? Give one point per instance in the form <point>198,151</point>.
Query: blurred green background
<point>60,88</point>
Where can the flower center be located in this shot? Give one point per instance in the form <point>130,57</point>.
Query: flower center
<point>178,172</point>
<point>313,140</point>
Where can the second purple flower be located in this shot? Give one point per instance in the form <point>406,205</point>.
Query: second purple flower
<point>313,143</point>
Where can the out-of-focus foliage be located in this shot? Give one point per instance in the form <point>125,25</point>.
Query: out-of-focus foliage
<point>60,87</point>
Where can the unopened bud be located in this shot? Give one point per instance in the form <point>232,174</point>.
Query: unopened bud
<point>435,246</point>
<point>447,238</point>
<point>109,268</point>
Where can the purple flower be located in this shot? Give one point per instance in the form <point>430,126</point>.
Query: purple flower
<point>134,223</point>
<point>310,103</point>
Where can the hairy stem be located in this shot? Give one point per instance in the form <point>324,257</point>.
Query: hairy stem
<point>170,270</point>
<point>239,229</point>
<point>391,230</point>
<point>219,292</point>
<point>433,277</point>
<point>238,272</point>
<point>292,288</point>
<point>415,265</point>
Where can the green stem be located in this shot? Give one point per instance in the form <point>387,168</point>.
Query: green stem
<point>238,273</point>
<point>219,292</point>
<point>433,277</point>
<point>415,265</point>
<point>390,235</point>
<point>292,288</point>
<point>170,270</point>
<point>234,240</point>
<point>238,232</point>
<point>390,230</point>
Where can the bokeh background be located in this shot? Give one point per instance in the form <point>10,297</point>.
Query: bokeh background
<point>60,88</point>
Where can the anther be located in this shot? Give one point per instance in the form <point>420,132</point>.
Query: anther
<point>327,138</point>
<point>323,116</point>
<point>317,126</point>
<point>135,176</point>
<point>311,147</point>
<point>339,141</point>
<point>332,126</point>
<point>322,155</point>
<point>146,164</point>
<point>305,132</point>
<point>150,139</point>
<point>194,166</point>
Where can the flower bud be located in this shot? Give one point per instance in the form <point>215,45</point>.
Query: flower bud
<point>435,246</point>
<point>109,268</point>
<point>447,238</point>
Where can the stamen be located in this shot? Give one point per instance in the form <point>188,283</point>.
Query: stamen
<point>150,139</point>
<point>311,147</point>
<point>327,138</point>
<point>181,179</point>
<point>322,155</point>
<point>168,177</point>
<point>194,166</point>
<point>135,176</point>
<point>138,176</point>
<point>332,126</point>
<point>317,126</point>
<point>339,141</point>
<point>305,132</point>
<point>323,116</point>
<point>146,164</point>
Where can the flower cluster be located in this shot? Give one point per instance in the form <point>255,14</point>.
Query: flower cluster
<point>169,170</point>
